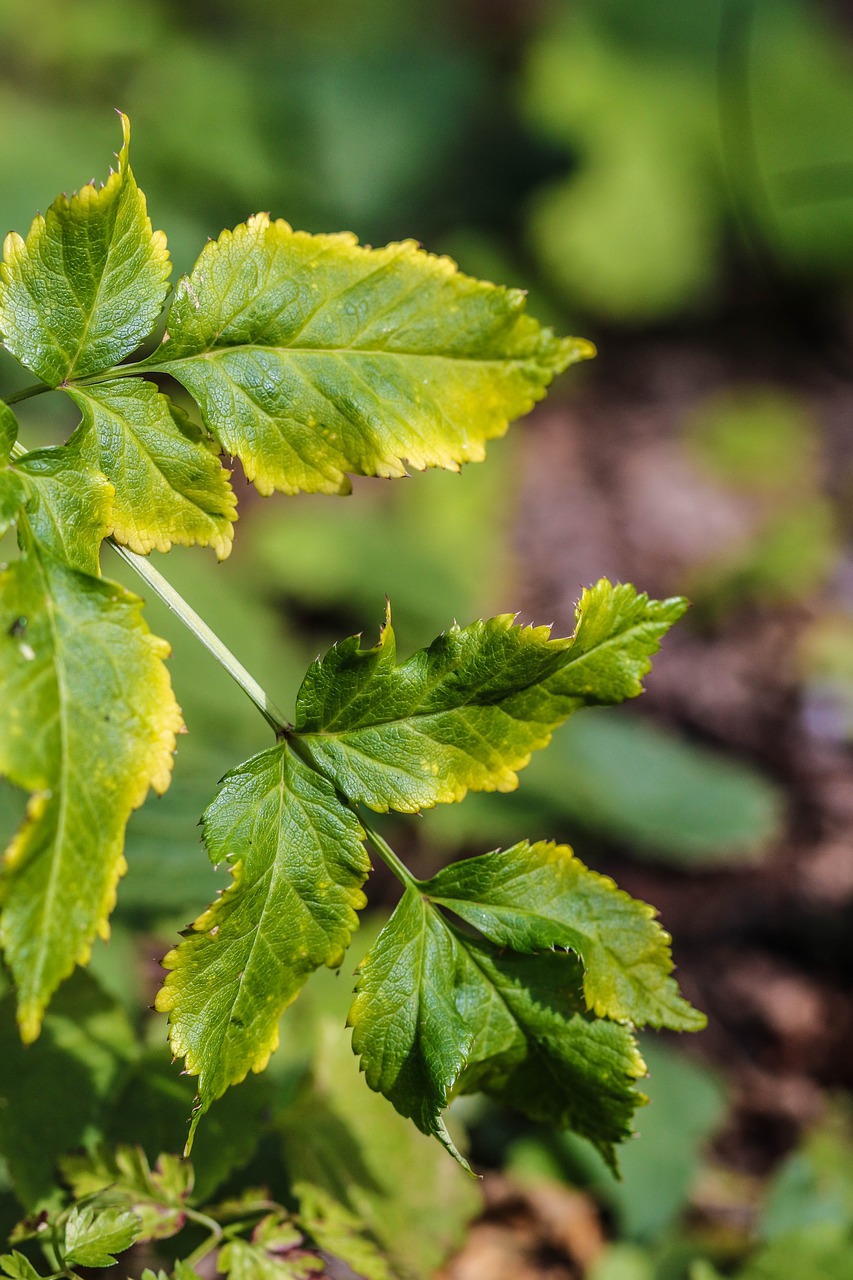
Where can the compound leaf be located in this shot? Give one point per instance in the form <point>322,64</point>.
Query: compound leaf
<point>467,712</point>
<point>436,1010</point>
<point>312,356</point>
<point>169,487</point>
<point>298,863</point>
<point>93,1235</point>
<point>87,724</point>
<point>411,1039</point>
<point>85,287</point>
<point>533,898</point>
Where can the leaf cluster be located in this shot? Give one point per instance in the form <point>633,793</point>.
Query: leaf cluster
<point>519,973</point>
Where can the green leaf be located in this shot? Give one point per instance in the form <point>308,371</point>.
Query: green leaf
<point>93,1235</point>
<point>338,1231</point>
<point>435,1009</point>
<point>311,356</point>
<point>274,1253</point>
<point>8,433</point>
<point>412,1040</point>
<point>17,1267</point>
<point>533,898</point>
<point>13,496</point>
<point>88,283</point>
<point>53,1094</point>
<point>536,1049</point>
<point>68,505</point>
<point>87,724</point>
<point>157,1197</point>
<point>169,487</point>
<point>345,1141</point>
<point>467,712</point>
<point>298,864</point>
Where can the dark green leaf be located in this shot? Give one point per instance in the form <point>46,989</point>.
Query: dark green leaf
<point>467,712</point>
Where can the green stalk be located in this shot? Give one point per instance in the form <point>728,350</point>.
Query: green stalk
<point>202,632</point>
<point>27,392</point>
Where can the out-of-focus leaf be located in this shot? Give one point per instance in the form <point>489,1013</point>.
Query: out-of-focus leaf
<point>648,788</point>
<point>346,1141</point>
<point>54,1092</point>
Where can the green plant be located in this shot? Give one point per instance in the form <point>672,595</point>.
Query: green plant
<point>518,973</point>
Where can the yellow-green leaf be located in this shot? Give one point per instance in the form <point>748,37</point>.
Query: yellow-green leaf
<point>85,287</point>
<point>87,725</point>
<point>298,864</point>
<point>169,487</point>
<point>312,356</point>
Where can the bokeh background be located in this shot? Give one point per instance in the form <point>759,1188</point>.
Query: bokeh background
<point>675,181</point>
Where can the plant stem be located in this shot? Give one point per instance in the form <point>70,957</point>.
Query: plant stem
<point>191,620</point>
<point>388,856</point>
<point>26,392</point>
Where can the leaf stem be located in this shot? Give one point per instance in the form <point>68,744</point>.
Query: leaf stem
<point>388,856</point>
<point>26,393</point>
<point>202,632</point>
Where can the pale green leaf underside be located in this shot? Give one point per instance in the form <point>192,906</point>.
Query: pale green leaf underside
<point>298,863</point>
<point>467,712</point>
<point>312,356</point>
<point>435,1010</point>
<point>532,898</point>
<point>169,487</point>
<point>87,725</point>
<point>88,283</point>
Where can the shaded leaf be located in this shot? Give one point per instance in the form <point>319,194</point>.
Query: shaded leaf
<point>436,1009</point>
<point>53,1094</point>
<point>88,283</point>
<point>467,712</point>
<point>533,898</point>
<point>87,725</point>
<point>157,1197</point>
<point>169,487</point>
<point>411,1039</point>
<point>298,864</point>
<point>311,356</point>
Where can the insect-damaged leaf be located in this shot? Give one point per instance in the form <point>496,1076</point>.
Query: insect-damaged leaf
<point>298,863</point>
<point>85,287</point>
<point>87,725</point>
<point>467,712</point>
<point>312,356</point>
